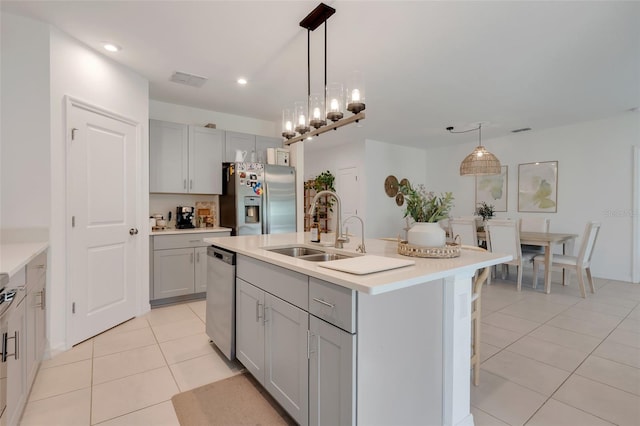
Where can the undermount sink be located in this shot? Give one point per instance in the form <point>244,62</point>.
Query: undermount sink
<point>323,257</point>
<point>306,253</point>
<point>296,251</point>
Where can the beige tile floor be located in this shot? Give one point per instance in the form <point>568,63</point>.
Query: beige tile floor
<point>547,360</point>
<point>127,375</point>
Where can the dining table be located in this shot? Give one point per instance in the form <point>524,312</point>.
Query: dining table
<point>548,240</point>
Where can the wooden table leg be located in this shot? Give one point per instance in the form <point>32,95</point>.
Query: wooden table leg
<point>548,261</point>
<point>567,248</point>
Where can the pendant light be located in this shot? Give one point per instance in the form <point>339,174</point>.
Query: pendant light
<point>323,112</point>
<point>480,162</point>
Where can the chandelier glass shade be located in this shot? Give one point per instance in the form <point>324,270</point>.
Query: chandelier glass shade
<point>323,112</point>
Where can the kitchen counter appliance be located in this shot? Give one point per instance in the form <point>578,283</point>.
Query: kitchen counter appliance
<point>258,198</point>
<point>184,217</point>
<point>221,300</point>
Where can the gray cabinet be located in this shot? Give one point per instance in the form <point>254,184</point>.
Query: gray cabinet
<point>184,159</point>
<point>271,335</point>
<point>35,339</point>
<point>179,265</point>
<point>332,375</point>
<point>247,142</point>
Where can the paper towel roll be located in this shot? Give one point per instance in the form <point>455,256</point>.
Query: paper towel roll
<point>271,156</point>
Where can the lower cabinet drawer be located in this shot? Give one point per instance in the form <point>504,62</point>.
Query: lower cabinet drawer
<point>161,242</point>
<point>332,303</point>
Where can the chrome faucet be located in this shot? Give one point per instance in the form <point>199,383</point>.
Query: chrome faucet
<point>361,247</point>
<point>340,238</point>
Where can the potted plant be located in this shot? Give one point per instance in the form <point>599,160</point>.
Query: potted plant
<point>485,211</point>
<point>426,209</point>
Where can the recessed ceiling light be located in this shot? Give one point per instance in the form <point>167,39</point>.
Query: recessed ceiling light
<point>242,81</point>
<point>111,47</point>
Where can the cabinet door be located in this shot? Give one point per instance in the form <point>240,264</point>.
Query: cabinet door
<point>262,143</point>
<point>332,375</point>
<point>238,141</point>
<point>205,160</point>
<point>201,270</point>
<point>173,272</point>
<point>286,360</point>
<point>16,364</point>
<point>250,328</point>
<point>168,157</point>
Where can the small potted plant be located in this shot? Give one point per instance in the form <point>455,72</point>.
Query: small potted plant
<point>426,209</point>
<point>485,211</point>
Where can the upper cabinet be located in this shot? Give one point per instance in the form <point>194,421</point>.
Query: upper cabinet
<point>185,159</point>
<point>235,141</point>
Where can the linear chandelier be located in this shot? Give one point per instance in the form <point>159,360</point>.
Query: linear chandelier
<point>480,162</point>
<point>311,117</point>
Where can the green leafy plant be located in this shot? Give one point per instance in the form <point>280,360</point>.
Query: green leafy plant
<point>426,206</point>
<point>485,210</point>
<point>324,181</point>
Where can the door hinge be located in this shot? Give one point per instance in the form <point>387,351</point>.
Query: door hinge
<point>356,178</point>
<point>73,307</point>
<point>73,221</point>
<point>73,133</point>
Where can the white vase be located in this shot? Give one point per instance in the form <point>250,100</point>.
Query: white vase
<point>426,234</point>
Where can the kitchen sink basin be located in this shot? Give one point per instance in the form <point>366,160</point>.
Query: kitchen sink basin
<point>323,257</point>
<point>296,251</point>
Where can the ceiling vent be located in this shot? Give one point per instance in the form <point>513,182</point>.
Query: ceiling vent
<point>188,79</point>
<point>524,129</point>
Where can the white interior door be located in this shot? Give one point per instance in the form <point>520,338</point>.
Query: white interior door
<point>102,236</point>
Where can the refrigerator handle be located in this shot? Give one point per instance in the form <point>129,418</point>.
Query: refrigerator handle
<point>265,209</point>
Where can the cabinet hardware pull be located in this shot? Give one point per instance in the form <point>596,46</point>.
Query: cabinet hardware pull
<point>308,340</point>
<point>43,303</point>
<point>258,311</point>
<point>264,314</point>
<point>191,257</point>
<point>190,183</point>
<point>194,241</point>
<point>198,257</point>
<point>5,342</point>
<point>184,184</point>
<point>324,303</point>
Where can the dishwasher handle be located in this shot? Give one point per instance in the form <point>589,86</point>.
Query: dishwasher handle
<point>222,255</point>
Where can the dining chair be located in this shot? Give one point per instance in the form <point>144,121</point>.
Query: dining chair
<point>503,237</point>
<point>579,263</point>
<point>466,229</point>
<point>476,310</point>
<point>533,224</point>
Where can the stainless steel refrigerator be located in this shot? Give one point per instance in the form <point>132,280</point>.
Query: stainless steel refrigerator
<point>258,198</point>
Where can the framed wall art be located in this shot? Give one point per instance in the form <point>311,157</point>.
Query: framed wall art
<point>492,189</point>
<point>538,187</point>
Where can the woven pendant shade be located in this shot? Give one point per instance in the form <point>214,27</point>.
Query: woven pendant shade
<point>480,162</point>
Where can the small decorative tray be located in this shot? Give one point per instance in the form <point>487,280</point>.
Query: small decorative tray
<point>447,251</point>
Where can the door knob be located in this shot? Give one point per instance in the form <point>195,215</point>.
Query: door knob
<point>133,231</point>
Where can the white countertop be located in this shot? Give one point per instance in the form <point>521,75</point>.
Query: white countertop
<point>173,231</point>
<point>15,256</point>
<point>376,283</point>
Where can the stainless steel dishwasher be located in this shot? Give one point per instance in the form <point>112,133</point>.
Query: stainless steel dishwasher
<point>221,300</point>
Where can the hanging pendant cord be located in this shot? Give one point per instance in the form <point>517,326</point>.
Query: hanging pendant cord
<point>308,72</point>
<point>479,128</point>
<point>325,68</point>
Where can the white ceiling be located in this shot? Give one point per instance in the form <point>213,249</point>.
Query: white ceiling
<point>427,64</point>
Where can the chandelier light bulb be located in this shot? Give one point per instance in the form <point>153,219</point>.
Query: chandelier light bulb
<point>301,120</point>
<point>334,105</point>
<point>316,113</point>
<point>355,95</point>
<point>288,126</point>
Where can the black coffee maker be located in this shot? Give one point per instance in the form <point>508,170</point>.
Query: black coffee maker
<point>184,217</point>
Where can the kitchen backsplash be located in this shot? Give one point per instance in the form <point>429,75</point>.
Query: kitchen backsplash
<point>165,203</point>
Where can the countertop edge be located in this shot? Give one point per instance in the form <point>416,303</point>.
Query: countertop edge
<point>189,231</point>
<point>26,252</point>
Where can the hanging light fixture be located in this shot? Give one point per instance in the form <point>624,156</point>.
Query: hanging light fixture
<point>480,161</point>
<point>321,113</point>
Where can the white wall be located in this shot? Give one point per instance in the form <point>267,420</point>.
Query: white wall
<point>188,115</point>
<point>384,217</point>
<point>594,181</point>
<point>24,154</point>
<point>82,73</point>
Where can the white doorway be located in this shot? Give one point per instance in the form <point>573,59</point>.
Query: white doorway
<point>102,206</point>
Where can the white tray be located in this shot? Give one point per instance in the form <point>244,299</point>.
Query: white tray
<point>368,264</point>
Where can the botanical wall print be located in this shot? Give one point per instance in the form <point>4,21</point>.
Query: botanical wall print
<point>538,187</point>
<point>492,190</point>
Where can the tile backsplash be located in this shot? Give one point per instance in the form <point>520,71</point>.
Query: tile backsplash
<point>165,203</point>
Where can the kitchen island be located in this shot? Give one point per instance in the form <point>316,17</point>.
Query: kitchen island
<point>400,356</point>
